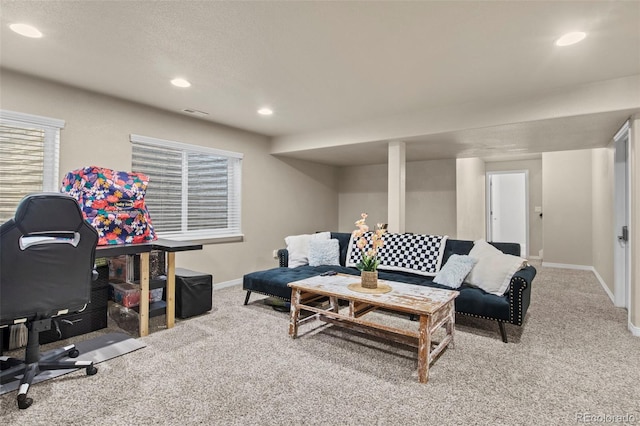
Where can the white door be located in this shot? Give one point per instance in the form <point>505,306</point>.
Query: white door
<point>507,215</point>
<point>622,251</point>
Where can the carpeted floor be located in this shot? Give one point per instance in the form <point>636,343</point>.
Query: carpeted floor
<point>97,349</point>
<point>573,360</point>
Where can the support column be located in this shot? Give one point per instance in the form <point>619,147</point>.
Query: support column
<point>397,186</point>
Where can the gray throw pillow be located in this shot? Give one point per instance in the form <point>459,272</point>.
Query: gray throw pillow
<point>455,271</point>
<point>324,252</point>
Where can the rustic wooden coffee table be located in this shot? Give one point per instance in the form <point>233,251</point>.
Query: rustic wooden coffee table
<point>434,307</point>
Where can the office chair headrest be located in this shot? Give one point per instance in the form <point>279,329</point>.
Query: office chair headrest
<point>48,212</point>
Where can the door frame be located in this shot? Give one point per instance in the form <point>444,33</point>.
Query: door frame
<point>622,199</point>
<point>526,205</point>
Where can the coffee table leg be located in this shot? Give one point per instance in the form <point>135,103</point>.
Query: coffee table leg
<point>424,347</point>
<point>451,328</point>
<point>295,313</point>
<point>334,303</point>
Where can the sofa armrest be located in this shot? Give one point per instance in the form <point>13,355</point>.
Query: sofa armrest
<point>283,258</point>
<point>520,294</point>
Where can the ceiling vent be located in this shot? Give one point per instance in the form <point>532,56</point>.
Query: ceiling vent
<point>195,112</point>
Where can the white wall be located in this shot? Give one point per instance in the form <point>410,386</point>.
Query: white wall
<point>534,167</point>
<point>634,226</point>
<point>470,199</point>
<point>567,193</point>
<point>280,197</point>
<point>508,205</point>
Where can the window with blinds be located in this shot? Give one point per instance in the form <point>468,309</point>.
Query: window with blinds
<point>29,155</point>
<point>193,192</point>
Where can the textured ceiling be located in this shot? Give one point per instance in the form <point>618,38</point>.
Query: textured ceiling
<point>326,65</point>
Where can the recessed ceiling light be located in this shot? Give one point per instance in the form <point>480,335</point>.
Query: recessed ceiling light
<point>265,111</point>
<point>180,82</point>
<point>26,30</point>
<point>571,38</point>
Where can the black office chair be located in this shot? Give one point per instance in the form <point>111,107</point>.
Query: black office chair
<point>47,256</point>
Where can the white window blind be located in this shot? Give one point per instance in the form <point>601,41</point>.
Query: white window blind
<point>29,157</point>
<point>194,192</point>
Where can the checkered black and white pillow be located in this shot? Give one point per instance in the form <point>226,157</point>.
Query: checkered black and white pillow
<point>415,253</point>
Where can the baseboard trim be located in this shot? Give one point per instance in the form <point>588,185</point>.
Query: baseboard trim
<point>604,285</point>
<point>634,330</point>
<point>225,284</point>
<point>567,266</point>
<point>584,268</point>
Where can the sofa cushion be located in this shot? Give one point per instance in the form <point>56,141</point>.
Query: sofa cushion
<point>343,238</point>
<point>298,247</point>
<point>494,269</point>
<point>465,246</point>
<point>455,270</point>
<point>274,282</point>
<point>324,252</point>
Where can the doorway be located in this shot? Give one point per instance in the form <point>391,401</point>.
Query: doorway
<point>508,208</point>
<point>622,214</point>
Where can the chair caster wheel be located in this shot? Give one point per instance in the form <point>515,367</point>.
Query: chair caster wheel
<point>24,402</point>
<point>91,370</point>
<point>73,353</point>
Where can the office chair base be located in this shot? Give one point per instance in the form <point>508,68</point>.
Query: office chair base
<point>24,402</point>
<point>35,363</point>
<point>30,371</point>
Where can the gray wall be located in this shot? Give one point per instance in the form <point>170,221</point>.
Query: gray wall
<point>470,199</point>
<point>362,189</point>
<point>603,215</point>
<point>279,197</point>
<point>430,196</point>
<point>567,205</point>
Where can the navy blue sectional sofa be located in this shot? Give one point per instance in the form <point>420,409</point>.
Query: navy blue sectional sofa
<point>510,308</point>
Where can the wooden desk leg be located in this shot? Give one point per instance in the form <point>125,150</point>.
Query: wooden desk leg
<point>424,347</point>
<point>171,289</point>
<point>295,313</point>
<point>144,294</point>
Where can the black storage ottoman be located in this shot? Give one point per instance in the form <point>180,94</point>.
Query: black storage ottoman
<point>194,293</point>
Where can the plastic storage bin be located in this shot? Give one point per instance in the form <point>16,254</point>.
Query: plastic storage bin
<point>126,294</point>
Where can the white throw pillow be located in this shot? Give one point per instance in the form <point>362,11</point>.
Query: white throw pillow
<point>324,252</point>
<point>298,247</point>
<point>494,269</point>
<point>455,270</point>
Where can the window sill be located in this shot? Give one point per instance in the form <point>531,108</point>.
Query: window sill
<point>205,239</point>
